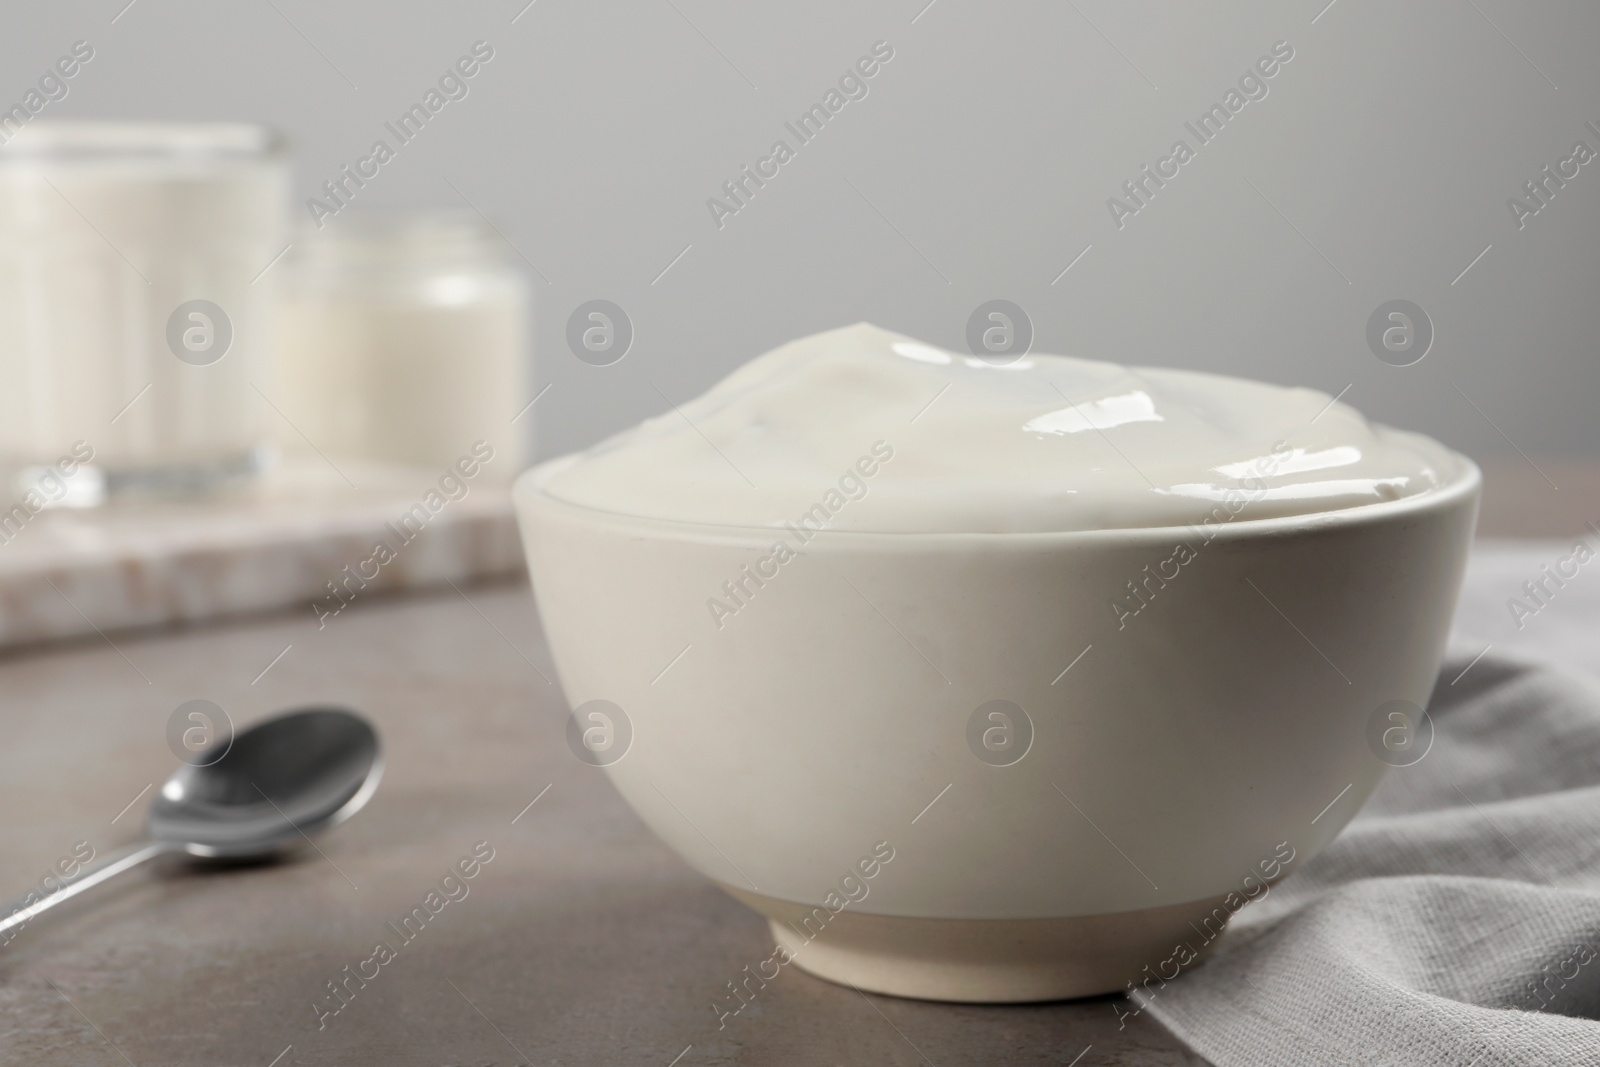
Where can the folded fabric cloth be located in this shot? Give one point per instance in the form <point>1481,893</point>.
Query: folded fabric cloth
<point>1455,921</point>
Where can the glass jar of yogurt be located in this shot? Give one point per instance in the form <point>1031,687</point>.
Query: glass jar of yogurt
<point>136,303</point>
<point>405,340</point>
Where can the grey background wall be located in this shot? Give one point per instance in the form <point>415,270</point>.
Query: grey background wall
<point>979,165</point>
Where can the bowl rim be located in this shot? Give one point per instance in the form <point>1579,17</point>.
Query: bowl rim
<point>529,496</point>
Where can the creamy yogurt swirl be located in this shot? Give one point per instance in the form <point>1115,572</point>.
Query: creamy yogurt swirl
<point>961,444</point>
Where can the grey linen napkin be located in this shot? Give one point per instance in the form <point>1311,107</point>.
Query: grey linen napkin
<point>1455,921</point>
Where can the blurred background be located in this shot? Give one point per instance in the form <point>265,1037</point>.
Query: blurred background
<point>978,166</point>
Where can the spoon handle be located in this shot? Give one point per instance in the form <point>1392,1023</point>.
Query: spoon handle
<point>113,865</point>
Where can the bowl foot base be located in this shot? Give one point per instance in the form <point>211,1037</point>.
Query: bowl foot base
<point>992,960</point>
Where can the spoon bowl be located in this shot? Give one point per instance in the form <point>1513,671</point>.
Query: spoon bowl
<point>279,781</point>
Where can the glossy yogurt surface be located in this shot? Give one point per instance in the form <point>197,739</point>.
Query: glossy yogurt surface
<point>866,430</point>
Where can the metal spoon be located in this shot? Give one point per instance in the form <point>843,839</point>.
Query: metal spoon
<point>278,781</point>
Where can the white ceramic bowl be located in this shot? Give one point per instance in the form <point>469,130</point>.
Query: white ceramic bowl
<point>1195,751</point>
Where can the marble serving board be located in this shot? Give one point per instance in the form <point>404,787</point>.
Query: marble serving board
<point>304,537</point>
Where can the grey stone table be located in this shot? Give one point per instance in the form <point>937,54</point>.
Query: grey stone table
<point>582,941</point>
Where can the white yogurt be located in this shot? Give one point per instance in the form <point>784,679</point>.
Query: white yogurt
<point>106,231</point>
<point>404,338</point>
<point>1046,443</point>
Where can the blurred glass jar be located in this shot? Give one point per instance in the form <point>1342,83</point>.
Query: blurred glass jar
<point>135,316</point>
<point>405,339</point>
